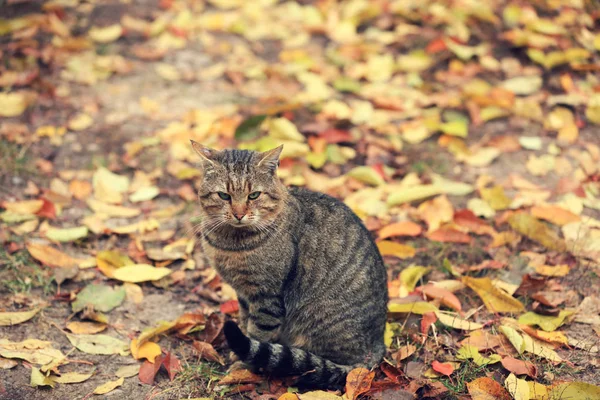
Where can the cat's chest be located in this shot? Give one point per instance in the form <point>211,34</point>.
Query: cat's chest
<point>228,263</point>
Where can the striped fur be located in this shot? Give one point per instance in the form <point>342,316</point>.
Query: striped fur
<point>307,273</point>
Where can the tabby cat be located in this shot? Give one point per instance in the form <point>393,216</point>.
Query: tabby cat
<point>310,281</point>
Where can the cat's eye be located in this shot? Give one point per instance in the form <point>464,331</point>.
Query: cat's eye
<point>254,195</point>
<point>224,196</point>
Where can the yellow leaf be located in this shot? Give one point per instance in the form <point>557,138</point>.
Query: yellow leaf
<point>86,327</point>
<point>495,197</point>
<point>456,322</point>
<point>457,127</point>
<point>14,318</point>
<point>366,175</point>
<point>71,377</point>
<point>283,128</point>
<point>412,193</point>
<point>494,299</point>
<point>537,391</point>
<point>150,333</point>
<point>574,390</point>
<point>147,350</point>
<point>26,227</point>
<point>389,248</point>
<point>546,322</point>
<point>31,350</point>
<point>109,386</point>
<point>167,72</point>
<point>436,212</point>
<point>388,335</point>
<point>140,273</point>
<point>518,388</point>
<point>552,270</point>
<point>144,194</point>
<point>108,186</point>
<point>12,104</point>
<point>39,379</point>
<point>409,277</point>
<point>98,344</point>
<point>531,227</point>
<point>127,371</point>
<point>105,34</point>
<point>50,256</point>
<point>523,85</point>
<point>80,122</point>
<point>67,234</point>
<point>134,292</point>
<point>319,395</point>
<point>25,207</point>
<point>111,210</point>
<point>419,307</point>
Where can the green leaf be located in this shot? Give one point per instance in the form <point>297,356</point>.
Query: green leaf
<point>546,322</point>
<point>249,128</point>
<point>98,344</point>
<point>103,297</point>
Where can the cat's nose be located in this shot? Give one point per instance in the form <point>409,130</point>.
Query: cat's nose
<point>239,217</point>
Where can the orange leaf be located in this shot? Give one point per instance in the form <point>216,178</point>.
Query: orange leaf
<point>446,297</point>
<point>519,367</point>
<point>556,215</point>
<point>404,228</point>
<point>428,319</point>
<point>449,235</point>
<point>358,382</point>
<point>50,256</point>
<point>240,376</point>
<point>388,248</point>
<point>148,350</point>
<point>467,219</point>
<point>230,307</point>
<point>487,389</point>
<point>207,352</point>
<point>442,368</point>
<point>80,189</point>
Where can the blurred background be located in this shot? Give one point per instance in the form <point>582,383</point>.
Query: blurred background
<point>435,121</point>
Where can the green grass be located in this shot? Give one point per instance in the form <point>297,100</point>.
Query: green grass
<point>14,161</point>
<point>19,274</point>
<point>457,382</point>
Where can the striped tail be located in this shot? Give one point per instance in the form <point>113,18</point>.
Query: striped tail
<point>280,360</point>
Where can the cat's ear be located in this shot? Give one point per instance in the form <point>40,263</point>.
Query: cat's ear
<point>269,159</point>
<point>204,152</point>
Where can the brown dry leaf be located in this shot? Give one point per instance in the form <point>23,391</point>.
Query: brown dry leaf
<point>531,227</point>
<point>208,352</point>
<point>519,367</point>
<point>554,214</point>
<point>449,235</point>
<point>483,340</point>
<point>404,228</point>
<point>358,382</point>
<point>446,297</point>
<point>494,299</point>
<point>487,389</point>
<point>405,352</point>
<point>240,376</point>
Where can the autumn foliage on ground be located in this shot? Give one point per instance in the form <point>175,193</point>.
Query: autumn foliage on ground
<point>464,133</point>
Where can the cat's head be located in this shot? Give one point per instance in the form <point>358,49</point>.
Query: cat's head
<point>239,188</point>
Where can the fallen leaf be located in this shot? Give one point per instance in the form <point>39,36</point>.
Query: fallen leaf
<point>31,350</point>
<point>88,328</point>
<point>109,386</point>
<point>67,234</point>
<point>105,34</point>
<point>436,212</point>
<point>144,194</point>
<point>358,381</point>
<point>449,235</point>
<point>12,104</point>
<point>366,175</point>
<point>389,248</point>
<point>495,197</point>
<point>5,363</point>
<point>109,260</point>
<point>457,322</point>
<point>556,215</point>
<point>25,207</point>
<point>102,297</point>
<point>140,273</point>
<point>240,376</point>
<point>519,367</point>
<point>518,388</point>
<point>72,377</point>
<point>419,307</point>
<point>50,256</point>
<point>487,389</point>
<point>552,270</point>
<point>283,128</point>
<point>17,317</point>
<point>112,210</point>
<point>39,379</point>
<point>467,352</point>
<point>537,391</point>
<point>405,352</point>
<point>409,277</point>
<point>573,390</point>
<point>318,395</point>
<point>531,227</point>
<point>207,352</point>
<point>523,85</point>
<point>494,299</point>
<point>405,228</point>
<point>442,368</point>
<point>446,297</point>
<point>127,371</point>
<point>546,322</point>
<point>148,350</point>
<point>98,344</point>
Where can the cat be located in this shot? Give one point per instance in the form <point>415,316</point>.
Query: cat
<point>311,284</point>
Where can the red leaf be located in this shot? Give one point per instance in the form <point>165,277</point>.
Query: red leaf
<point>392,372</point>
<point>435,46</point>
<point>172,364</point>
<point>467,219</point>
<point>230,307</point>
<point>336,135</point>
<point>427,320</point>
<point>442,368</point>
<point>148,370</point>
<point>449,235</point>
<point>47,210</point>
